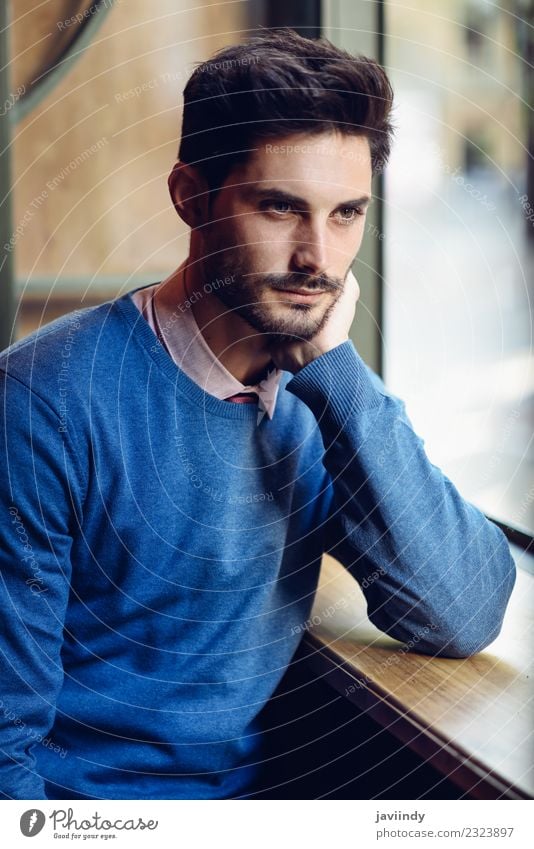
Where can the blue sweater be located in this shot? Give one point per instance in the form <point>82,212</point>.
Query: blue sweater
<point>160,554</point>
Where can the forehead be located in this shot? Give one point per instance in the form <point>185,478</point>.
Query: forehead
<point>328,162</point>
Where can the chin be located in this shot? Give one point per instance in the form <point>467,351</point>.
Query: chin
<point>284,329</point>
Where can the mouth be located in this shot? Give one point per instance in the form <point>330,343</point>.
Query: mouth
<point>302,295</point>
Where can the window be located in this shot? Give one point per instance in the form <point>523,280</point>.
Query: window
<point>459,246</point>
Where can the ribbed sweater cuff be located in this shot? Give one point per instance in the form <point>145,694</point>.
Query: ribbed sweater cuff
<point>336,384</point>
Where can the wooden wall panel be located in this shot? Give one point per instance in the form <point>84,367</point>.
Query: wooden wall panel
<point>91,162</point>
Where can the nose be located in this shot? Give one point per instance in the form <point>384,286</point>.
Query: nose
<point>310,250</point>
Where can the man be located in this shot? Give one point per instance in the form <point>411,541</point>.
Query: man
<point>176,461</point>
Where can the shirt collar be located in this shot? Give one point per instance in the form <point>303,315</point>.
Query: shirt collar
<point>190,351</point>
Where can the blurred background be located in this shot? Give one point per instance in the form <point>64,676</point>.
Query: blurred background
<point>90,112</point>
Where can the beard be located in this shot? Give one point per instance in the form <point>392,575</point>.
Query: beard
<point>250,296</point>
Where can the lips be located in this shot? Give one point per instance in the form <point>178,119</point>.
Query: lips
<point>303,293</point>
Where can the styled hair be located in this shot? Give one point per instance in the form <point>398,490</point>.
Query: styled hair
<point>276,84</point>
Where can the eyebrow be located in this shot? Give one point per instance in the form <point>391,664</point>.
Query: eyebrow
<point>280,194</point>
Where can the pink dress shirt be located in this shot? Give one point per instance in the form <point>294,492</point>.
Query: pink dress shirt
<point>179,334</point>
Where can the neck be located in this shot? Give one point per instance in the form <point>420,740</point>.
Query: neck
<point>236,344</point>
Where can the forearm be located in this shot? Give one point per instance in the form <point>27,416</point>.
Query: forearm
<point>439,561</point>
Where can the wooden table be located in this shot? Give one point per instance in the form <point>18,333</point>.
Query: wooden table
<point>471,718</point>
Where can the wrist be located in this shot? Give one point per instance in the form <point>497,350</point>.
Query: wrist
<point>336,385</point>
<point>313,350</point>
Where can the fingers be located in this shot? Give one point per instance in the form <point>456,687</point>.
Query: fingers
<point>353,283</point>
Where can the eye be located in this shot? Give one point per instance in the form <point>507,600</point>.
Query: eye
<point>348,214</point>
<point>280,207</point>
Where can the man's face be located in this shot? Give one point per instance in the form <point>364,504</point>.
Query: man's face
<point>291,218</point>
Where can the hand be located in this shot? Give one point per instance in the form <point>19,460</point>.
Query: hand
<point>292,356</point>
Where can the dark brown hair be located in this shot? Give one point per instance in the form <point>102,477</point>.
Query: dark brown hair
<point>276,84</point>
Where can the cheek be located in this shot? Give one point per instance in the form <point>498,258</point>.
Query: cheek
<point>263,244</point>
<point>257,232</point>
<point>245,234</point>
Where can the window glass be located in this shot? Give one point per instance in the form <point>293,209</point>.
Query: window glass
<point>459,243</point>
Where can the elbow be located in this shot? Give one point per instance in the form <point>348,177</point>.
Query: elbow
<point>444,639</point>
<point>461,622</point>
<point>475,617</point>
<point>466,643</point>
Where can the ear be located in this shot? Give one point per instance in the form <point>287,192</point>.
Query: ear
<point>189,194</point>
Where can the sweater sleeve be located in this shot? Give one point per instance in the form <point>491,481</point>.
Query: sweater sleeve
<point>435,572</point>
<point>40,484</point>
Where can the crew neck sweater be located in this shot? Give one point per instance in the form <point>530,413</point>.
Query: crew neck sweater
<point>160,554</point>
